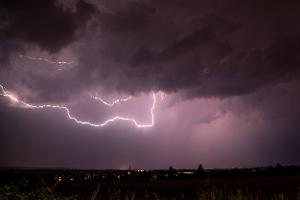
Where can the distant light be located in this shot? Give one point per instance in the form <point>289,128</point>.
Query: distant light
<point>188,172</point>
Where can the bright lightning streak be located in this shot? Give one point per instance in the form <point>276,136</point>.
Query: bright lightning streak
<point>11,97</point>
<point>47,60</point>
<point>113,103</point>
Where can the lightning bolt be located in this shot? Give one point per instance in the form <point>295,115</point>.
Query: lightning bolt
<point>110,104</point>
<point>47,60</point>
<point>15,99</point>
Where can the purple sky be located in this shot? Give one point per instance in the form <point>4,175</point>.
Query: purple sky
<point>225,76</point>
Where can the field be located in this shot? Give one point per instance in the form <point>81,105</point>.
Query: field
<point>276,183</point>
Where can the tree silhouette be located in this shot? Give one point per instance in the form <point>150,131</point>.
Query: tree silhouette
<point>200,171</point>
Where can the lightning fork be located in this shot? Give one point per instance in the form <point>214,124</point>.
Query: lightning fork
<point>46,60</point>
<point>113,103</point>
<point>15,99</point>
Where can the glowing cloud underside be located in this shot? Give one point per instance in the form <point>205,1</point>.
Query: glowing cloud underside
<point>16,100</point>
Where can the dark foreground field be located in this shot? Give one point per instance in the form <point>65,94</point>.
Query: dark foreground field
<point>276,183</point>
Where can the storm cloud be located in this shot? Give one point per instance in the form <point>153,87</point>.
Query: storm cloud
<point>229,70</point>
<point>205,49</point>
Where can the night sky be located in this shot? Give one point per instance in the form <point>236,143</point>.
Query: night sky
<point>221,80</point>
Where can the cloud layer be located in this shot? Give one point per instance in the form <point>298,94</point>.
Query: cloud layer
<point>203,48</point>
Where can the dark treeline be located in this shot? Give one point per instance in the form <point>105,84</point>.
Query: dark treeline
<point>271,182</point>
<point>52,175</point>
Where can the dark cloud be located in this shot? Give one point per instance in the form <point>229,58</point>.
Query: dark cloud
<point>48,25</point>
<point>207,50</point>
<point>201,48</point>
<point>43,23</point>
<point>176,49</point>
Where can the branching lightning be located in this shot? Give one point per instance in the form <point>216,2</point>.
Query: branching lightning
<point>47,60</point>
<point>112,103</point>
<point>15,99</point>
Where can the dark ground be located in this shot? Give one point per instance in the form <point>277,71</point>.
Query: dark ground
<point>255,183</point>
